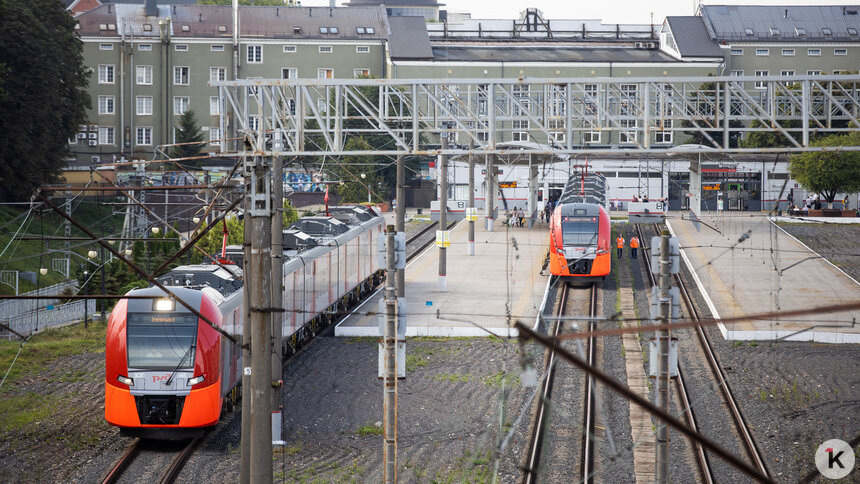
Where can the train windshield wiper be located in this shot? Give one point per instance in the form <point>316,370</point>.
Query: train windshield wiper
<point>173,373</point>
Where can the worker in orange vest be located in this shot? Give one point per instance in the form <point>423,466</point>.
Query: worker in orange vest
<point>619,242</point>
<point>634,244</point>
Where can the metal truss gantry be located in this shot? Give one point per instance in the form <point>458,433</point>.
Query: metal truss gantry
<point>547,116</point>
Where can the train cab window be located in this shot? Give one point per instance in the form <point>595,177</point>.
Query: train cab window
<point>579,231</point>
<point>161,341</point>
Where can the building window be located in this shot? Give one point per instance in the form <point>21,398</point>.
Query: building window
<point>762,52</point>
<point>737,52</point>
<point>591,137</point>
<point>852,31</point>
<point>826,31</point>
<point>325,73</point>
<point>106,135</point>
<point>106,72</point>
<point>629,136</point>
<point>217,73</point>
<point>749,31</point>
<point>106,105</point>
<point>840,51</point>
<point>761,84</point>
<point>180,104</point>
<point>180,75</point>
<point>774,31</point>
<point>556,131</point>
<point>214,136</point>
<point>325,49</point>
<point>664,133</point>
<point>181,47</point>
<point>255,54</point>
<point>216,48</point>
<point>214,106</point>
<point>800,31</point>
<point>361,72</point>
<point>144,136</point>
<point>362,49</point>
<point>105,46</point>
<point>289,73</point>
<point>814,52</point>
<point>144,47</point>
<point>289,49</point>
<point>322,106</point>
<point>291,105</point>
<point>253,122</point>
<point>736,73</point>
<point>813,73</point>
<point>519,130</point>
<point>788,52</point>
<point>144,105</point>
<point>786,72</point>
<point>143,75</point>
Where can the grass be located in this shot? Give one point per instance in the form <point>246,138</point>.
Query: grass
<point>44,348</point>
<point>23,410</point>
<point>369,429</point>
<point>497,379</point>
<point>468,468</point>
<point>452,377</point>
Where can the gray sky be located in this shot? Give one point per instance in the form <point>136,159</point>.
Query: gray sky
<point>610,11</point>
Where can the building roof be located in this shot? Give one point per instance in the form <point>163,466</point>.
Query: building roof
<point>692,38</point>
<point>782,23</point>
<point>217,21</point>
<point>508,53</point>
<point>395,3</point>
<point>409,39</point>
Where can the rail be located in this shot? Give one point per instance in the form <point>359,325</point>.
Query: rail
<point>589,415</point>
<point>170,475</point>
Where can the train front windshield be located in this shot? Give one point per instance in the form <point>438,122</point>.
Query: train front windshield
<point>161,341</point>
<point>579,231</point>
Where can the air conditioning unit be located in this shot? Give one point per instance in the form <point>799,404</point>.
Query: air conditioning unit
<point>94,127</point>
<point>94,135</point>
<point>652,45</point>
<point>96,159</point>
<point>82,127</point>
<point>82,136</point>
<point>93,142</point>
<point>640,45</point>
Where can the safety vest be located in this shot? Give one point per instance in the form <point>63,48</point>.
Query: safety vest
<point>619,242</point>
<point>634,243</point>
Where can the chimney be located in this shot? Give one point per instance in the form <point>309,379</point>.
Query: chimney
<point>331,4</point>
<point>786,14</point>
<point>151,8</point>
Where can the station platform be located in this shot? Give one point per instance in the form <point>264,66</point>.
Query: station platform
<point>770,271</point>
<point>503,275</point>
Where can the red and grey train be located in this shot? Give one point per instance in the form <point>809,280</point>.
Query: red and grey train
<point>579,241</point>
<point>169,374</point>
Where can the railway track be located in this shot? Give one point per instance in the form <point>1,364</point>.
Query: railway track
<point>717,372</point>
<point>136,450</point>
<point>561,456</point>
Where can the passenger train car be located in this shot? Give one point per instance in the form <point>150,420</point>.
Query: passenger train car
<point>579,242</point>
<point>169,374</point>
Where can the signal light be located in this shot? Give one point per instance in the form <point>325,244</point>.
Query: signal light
<point>164,304</point>
<point>196,380</point>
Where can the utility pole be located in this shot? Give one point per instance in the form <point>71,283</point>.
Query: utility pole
<point>471,209</point>
<point>400,218</point>
<point>443,211</point>
<point>491,191</point>
<point>662,437</point>
<point>104,290</point>
<point>261,318</point>
<point>390,380</point>
<point>277,292</point>
<point>245,467</point>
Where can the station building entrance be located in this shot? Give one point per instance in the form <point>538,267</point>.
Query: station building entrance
<point>740,190</point>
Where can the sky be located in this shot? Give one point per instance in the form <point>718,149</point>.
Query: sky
<point>610,11</point>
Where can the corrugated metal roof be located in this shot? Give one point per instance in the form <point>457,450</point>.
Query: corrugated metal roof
<point>782,23</point>
<point>256,22</point>
<point>507,53</point>
<point>692,38</point>
<point>409,39</point>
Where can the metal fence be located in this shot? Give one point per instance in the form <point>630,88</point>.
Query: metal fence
<point>44,318</point>
<point>12,308</point>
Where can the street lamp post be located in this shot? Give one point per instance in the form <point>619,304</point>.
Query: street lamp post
<point>86,316</point>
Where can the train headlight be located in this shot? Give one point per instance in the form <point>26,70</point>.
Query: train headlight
<point>164,304</point>
<point>125,380</point>
<point>196,380</point>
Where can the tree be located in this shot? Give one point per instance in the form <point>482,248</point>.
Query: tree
<point>829,172</point>
<point>187,132</point>
<point>45,84</point>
